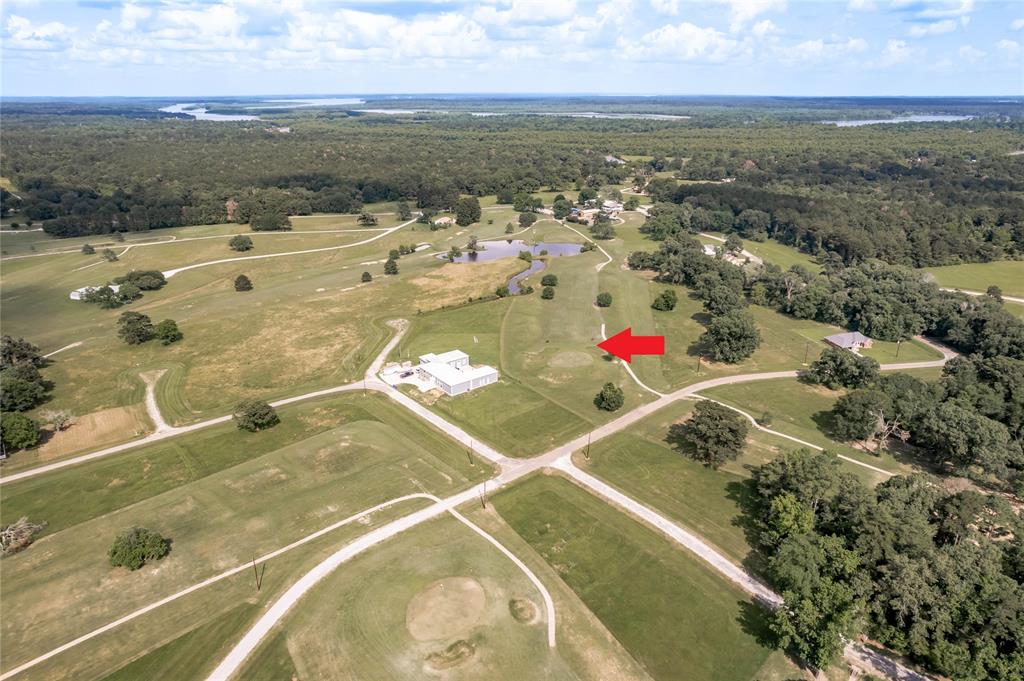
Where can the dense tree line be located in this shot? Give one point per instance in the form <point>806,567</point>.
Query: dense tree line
<point>934,575</point>
<point>910,194</point>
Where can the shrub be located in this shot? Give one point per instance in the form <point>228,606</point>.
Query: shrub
<point>391,267</point>
<point>604,299</point>
<point>243,283</point>
<point>109,255</point>
<point>611,398</point>
<point>367,277</point>
<point>18,535</point>
<point>254,415</point>
<point>240,242</point>
<point>167,332</point>
<point>87,249</point>
<point>527,219</point>
<point>137,546</point>
<point>134,328</point>
<point>146,280</point>
<point>367,219</point>
<point>18,431</point>
<point>509,228</point>
<point>665,301</point>
<point>549,280</point>
<point>547,293</point>
<point>501,291</point>
<point>21,388</point>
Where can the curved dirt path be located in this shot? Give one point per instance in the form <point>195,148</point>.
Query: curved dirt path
<point>510,470</point>
<point>207,582</point>
<point>386,231</point>
<point>1012,299</point>
<point>150,378</point>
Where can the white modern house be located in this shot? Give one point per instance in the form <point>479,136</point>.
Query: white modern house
<point>451,372</point>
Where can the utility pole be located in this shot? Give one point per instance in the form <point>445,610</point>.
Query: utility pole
<point>699,358</point>
<point>258,573</point>
<point>469,453</point>
<point>898,348</point>
<point>483,496</point>
<point>586,453</point>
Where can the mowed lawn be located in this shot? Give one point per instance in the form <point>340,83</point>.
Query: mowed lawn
<point>221,496</point>
<point>309,323</point>
<point>672,613</point>
<point>804,411</point>
<point>772,251</point>
<point>1006,274</point>
<point>546,352</point>
<point>370,619</point>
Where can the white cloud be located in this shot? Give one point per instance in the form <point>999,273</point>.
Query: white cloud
<point>861,6</point>
<point>684,41</point>
<point>1011,47</point>
<point>24,35</point>
<point>526,12</point>
<point>935,28</point>
<point>812,51</point>
<point>970,53</point>
<point>895,52</point>
<point>741,12</point>
<point>948,8</point>
<point>1017,24</point>
<point>132,14</point>
<point>764,27</point>
<point>670,7</point>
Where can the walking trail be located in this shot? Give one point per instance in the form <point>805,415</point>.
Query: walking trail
<point>510,469</point>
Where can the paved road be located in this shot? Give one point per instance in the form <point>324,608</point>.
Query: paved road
<point>510,470</point>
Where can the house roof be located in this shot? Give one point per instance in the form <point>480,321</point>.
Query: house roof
<point>448,374</point>
<point>848,339</point>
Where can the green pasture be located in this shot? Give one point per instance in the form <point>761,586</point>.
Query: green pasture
<point>359,622</point>
<point>663,605</point>
<point>1006,274</point>
<point>251,499</point>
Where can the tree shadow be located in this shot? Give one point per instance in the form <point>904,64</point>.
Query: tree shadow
<point>753,620</point>
<point>826,423</point>
<point>744,494</point>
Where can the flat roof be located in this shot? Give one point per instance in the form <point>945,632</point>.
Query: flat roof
<point>848,338</point>
<point>450,356</point>
<point>450,375</point>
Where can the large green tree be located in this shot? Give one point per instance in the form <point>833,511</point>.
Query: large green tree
<point>731,337</point>
<point>713,435</point>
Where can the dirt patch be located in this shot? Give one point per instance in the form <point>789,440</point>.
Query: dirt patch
<point>94,431</point>
<point>523,610</point>
<point>452,656</point>
<point>571,359</point>
<point>447,608</point>
<point>455,282</point>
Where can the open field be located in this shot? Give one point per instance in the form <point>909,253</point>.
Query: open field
<point>308,323</point>
<point>772,251</point>
<point>1006,274</point>
<point>803,411</point>
<point>384,614</point>
<point>662,604</point>
<point>335,459</point>
<point>545,351</point>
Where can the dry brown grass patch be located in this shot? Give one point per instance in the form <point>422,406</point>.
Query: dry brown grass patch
<point>453,283</point>
<point>94,431</point>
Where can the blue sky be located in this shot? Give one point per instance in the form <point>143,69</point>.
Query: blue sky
<point>751,47</point>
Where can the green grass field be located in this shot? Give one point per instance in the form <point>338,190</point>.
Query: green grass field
<point>772,251</point>
<point>220,503</point>
<point>666,608</point>
<point>1006,274</point>
<point>382,614</point>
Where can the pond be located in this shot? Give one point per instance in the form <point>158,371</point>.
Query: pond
<point>492,250</point>
<point>923,118</point>
<point>201,113</point>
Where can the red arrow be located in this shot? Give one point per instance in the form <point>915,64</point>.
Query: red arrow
<point>624,344</point>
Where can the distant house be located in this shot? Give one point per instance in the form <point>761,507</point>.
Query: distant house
<point>444,221</point>
<point>451,372</point>
<point>611,206</point>
<point>614,159</point>
<point>80,293</point>
<point>852,341</point>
